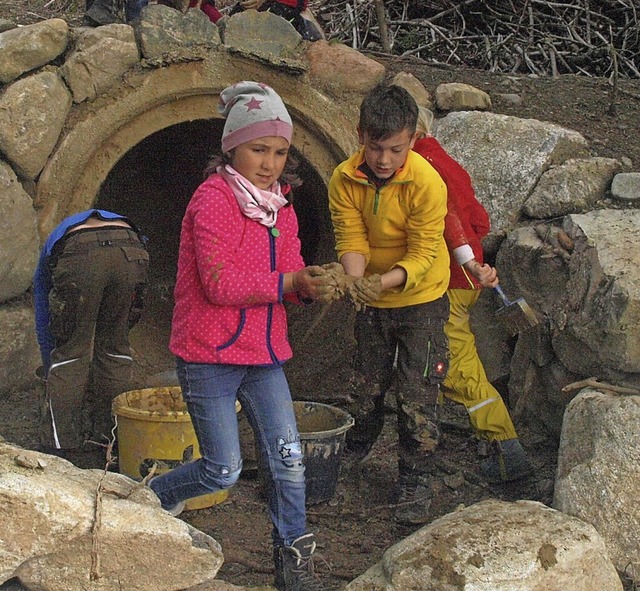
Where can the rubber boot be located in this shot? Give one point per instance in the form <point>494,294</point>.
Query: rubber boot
<point>507,462</point>
<point>294,566</point>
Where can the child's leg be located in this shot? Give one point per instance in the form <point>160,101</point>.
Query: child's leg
<point>422,360</point>
<point>266,399</point>
<point>210,393</point>
<point>372,377</point>
<point>467,383</point>
<point>466,380</point>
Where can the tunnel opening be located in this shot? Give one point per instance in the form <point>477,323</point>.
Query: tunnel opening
<point>152,184</point>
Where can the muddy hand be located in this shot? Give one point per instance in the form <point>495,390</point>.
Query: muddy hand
<point>344,282</point>
<point>315,283</point>
<point>366,290</point>
<point>486,275</point>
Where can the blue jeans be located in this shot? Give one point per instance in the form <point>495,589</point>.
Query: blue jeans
<point>210,393</point>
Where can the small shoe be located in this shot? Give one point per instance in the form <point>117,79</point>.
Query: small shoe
<point>294,566</point>
<point>507,462</point>
<point>414,501</point>
<point>176,509</point>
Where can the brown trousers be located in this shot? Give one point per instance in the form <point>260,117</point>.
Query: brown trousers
<point>99,279</point>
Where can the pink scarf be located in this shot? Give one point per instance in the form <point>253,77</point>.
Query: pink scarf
<point>257,204</point>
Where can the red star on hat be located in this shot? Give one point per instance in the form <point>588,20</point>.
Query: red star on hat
<point>254,103</point>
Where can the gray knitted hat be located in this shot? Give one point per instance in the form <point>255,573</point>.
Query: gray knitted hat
<point>252,110</point>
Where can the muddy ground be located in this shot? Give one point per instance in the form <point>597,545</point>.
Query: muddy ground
<point>355,527</point>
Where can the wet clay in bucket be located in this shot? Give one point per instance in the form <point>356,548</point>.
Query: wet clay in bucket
<point>154,427</point>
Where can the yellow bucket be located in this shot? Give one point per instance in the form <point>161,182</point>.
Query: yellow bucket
<point>154,427</point>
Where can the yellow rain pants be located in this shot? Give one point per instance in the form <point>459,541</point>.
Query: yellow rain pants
<point>466,380</point>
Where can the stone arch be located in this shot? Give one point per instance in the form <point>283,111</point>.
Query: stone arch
<point>99,134</point>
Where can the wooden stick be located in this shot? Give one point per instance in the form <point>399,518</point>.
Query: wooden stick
<point>613,96</point>
<point>382,25</point>
<point>596,385</point>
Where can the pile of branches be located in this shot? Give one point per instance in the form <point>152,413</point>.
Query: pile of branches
<point>548,38</point>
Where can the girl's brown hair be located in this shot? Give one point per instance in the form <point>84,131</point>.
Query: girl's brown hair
<point>288,176</point>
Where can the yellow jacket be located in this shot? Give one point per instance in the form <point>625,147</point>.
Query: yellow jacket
<point>398,225</point>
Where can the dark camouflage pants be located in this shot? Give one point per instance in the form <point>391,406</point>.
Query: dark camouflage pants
<point>416,333</point>
<point>99,279</point>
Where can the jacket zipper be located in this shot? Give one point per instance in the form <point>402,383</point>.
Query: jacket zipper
<point>376,200</point>
<point>272,254</point>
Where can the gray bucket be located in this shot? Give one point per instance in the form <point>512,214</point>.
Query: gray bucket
<point>323,429</point>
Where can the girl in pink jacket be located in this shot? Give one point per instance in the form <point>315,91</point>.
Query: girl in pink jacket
<point>239,259</point>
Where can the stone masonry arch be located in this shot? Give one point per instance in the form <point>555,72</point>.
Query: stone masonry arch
<point>100,133</point>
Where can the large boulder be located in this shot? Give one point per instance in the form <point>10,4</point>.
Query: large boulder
<point>99,59</point>
<point>32,46</point>
<point>19,240</point>
<point>505,156</point>
<point>599,469</point>
<point>32,114</point>
<point>19,352</point>
<point>496,546</point>
<point>65,528</point>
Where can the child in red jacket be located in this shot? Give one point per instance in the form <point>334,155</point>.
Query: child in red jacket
<point>239,261</point>
<point>466,224</point>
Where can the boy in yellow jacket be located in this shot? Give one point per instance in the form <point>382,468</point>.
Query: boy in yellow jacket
<point>388,206</point>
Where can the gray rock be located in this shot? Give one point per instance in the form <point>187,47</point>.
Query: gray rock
<point>587,299</point>
<point>626,186</point>
<point>19,352</point>
<point>164,33</point>
<point>99,60</point>
<point>599,469</point>
<point>510,98</point>
<point>572,187</point>
<point>19,242</point>
<point>415,88</point>
<point>456,96</point>
<point>596,321</point>
<point>535,390</point>
<point>505,156</point>
<point>49,541</point>
<point>32,113</point>
<point>25,48</point>
<point>497,546</point>
<point>262,34</point>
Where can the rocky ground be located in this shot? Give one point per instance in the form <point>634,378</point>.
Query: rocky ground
<point>355,527</point>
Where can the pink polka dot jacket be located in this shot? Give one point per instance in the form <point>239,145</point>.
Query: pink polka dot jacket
<point>229,287</point>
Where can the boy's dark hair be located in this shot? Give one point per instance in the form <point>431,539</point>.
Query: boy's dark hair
<point>387,110</point>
